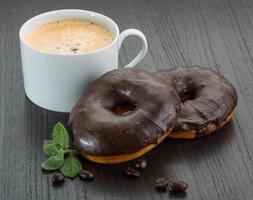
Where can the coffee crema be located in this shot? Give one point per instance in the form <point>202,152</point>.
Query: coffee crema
<point>69,36</point>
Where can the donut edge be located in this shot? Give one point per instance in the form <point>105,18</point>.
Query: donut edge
<point>124,158</point>
<point>194,134</point>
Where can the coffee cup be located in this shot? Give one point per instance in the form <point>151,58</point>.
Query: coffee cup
<point>56,81</point>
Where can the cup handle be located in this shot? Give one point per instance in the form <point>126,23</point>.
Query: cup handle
<point>144,47</point>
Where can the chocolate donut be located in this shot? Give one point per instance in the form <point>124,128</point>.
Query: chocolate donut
<point>103,135</point>
<point>208,100</point>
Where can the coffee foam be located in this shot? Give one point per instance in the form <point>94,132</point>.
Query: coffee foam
<point>69,36</point>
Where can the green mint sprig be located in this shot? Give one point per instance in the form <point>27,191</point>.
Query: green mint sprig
<point>60,156</point>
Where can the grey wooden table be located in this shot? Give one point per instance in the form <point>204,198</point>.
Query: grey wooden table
<point>214,33</point>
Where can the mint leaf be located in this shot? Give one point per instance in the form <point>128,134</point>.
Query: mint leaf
<point>56,149</point>
<point>53,162</point>
<point>71,167</point>
<point>50,148</point>
<point>60,135</point>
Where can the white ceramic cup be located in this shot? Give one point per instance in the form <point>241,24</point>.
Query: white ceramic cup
<point>56,81</point>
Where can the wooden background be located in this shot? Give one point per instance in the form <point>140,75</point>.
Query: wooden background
<point>214,33</point>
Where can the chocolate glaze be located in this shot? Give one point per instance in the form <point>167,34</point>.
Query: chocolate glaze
<point>99,131</point>
<point>207,98</point>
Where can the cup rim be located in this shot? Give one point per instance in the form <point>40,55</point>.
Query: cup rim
<point>21,37</point>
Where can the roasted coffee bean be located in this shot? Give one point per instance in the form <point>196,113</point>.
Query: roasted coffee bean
<point>131,172</point>
<point>141,164</point>
<point>86,175</point>
<point>178,186</point>
<point>161,184</point>
<point>57,179</point>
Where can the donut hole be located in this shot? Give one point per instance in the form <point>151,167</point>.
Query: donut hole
<point>188,95</point>
<point>124,108</point>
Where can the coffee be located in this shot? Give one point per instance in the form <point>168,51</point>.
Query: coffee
<point>69,36</point>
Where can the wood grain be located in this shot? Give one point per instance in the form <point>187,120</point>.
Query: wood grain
<point>217,34</point>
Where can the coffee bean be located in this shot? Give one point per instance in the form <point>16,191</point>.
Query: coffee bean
<point>161,184</point>
<point>178,186</point>
<point>131,172</point>
<point>141,164</point>
<point>86,175</point>
<point>57,179</point>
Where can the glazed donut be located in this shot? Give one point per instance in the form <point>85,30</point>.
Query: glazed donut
<point>208,100</point>
<point>105,133</point>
